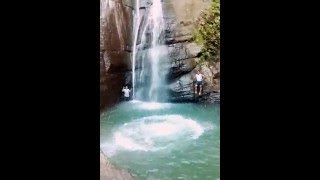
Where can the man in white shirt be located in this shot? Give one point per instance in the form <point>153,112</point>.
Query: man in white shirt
<point>199,79</point>
<point>126,93</point>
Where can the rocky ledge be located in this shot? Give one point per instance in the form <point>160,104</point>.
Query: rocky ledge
<point>109,172</point>
<point>184,54</point>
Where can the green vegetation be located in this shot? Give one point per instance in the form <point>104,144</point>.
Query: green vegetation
<point>207,33</point>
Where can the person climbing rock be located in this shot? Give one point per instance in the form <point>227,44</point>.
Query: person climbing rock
<point>126,93</point>
<point>199,78</point>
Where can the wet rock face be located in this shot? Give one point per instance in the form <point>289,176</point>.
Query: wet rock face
<point>181,67</point>
<point>182,89</point>
<point>116,43</point>
<point>115,48</point>
<point>180,23</point>
<point>183,57</point>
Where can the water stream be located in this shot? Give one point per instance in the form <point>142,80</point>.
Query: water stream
<point>152,56</point>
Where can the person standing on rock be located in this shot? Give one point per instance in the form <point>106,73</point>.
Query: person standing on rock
<point>126,93</point>
<point>199,79</point>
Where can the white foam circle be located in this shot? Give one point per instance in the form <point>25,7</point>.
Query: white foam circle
<point>153,133</point>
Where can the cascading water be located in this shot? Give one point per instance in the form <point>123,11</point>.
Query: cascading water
<point>134,51</point>
<point>153,138</point>
<point>149,81</point>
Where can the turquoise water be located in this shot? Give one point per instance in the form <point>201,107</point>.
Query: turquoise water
<point>163,140</point>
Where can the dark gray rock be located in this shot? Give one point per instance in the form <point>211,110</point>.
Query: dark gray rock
<point>192,49</point>
<point>119,61</point>
<point>183,58</point>
<point>182,90</point>
<point>180,67</point>
<point>211,97</point>
<point>180,51</point>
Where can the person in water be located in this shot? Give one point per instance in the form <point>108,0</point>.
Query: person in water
<point>126,93</point>
<point>199,79</point>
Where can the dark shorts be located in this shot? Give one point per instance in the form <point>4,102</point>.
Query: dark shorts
<point>199,83</point>
<point>126,98</point>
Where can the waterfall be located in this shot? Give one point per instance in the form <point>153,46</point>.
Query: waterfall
<point>135,38</point>
<point>152,55</point>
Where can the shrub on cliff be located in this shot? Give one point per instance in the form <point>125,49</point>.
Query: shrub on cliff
<point>207,32</point>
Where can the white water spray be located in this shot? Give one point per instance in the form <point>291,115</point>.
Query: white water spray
<point>156,18</point>
<point>154,133</point>
<point>151,75</point>
<point>134,51</point>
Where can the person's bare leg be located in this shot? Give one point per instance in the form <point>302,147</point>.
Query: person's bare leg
<point>195,89</point>
<point>200,90</point>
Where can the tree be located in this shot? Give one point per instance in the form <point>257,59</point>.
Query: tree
<point>207,32</point>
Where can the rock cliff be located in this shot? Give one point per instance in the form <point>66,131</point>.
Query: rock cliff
<point>116,43</point>
<point>181,16</point>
